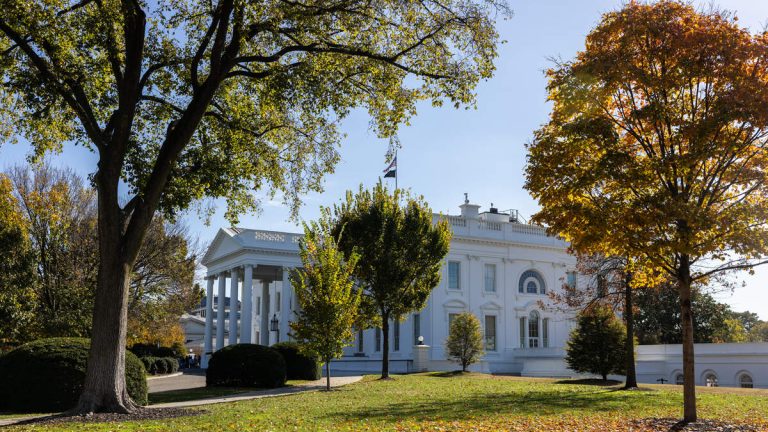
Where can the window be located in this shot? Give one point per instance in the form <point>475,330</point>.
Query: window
<point>277,302</point>
<point>531,282</point>
<point>416,328</point>
<point>451,317</point>
<point>360,341</point>
<point>679,379</point>
<point>490,333</point>
<point>490,278</point>
<point>258,338</point>
<point>522,332</point>
<point>545,332</point>
<point>745,381</point>
<point>396,335</point>
<point>378,339</point>
<point>710,380</point>
<point>532,288</point>
<point>533,330</point>
<point>571,279</point>
<point>454,272</point>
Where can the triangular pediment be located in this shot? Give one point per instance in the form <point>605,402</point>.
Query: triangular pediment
<point>225,243</point>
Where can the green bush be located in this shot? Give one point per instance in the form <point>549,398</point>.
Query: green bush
<point>297,365</point>
<point>246,365</point>
<point>47,375</point>
<point>160,365</point>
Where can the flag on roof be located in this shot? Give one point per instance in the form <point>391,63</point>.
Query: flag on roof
<point>391,170</point>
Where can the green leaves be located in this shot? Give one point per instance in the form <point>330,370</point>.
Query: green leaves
<point>465,340</point>
<point>328,303</point>
<point>598,343</point>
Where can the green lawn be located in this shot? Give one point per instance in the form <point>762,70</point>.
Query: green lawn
<point>438,402</point>
<point>205,392</point>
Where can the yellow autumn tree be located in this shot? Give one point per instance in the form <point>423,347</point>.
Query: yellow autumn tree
<point>656,148</point>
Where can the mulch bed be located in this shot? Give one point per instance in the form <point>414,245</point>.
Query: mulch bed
<point>140,414</point>
<point>675,425</point>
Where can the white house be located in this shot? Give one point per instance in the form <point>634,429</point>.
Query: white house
<point>497,268</point>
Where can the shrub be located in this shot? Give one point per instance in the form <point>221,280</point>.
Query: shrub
<point>47,375</point>
<point>246,365</point>
<point>465,342</point>
<point>149,350</point>
<point>160,365</point>
<point>297,365</point>
<point>598,343</point>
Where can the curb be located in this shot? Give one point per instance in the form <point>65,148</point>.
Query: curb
<point>156,377</point>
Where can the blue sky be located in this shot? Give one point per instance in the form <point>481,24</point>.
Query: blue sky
<point>447,152</point>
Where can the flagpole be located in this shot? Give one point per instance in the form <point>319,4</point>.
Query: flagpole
<point>396,169</point>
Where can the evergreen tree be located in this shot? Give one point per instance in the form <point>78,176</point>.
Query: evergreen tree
<point>465,340</point>
<point>328,302</point>
<point>401,253</point>
<point>598,343</point>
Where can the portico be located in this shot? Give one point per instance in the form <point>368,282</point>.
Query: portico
<point>254,298</point>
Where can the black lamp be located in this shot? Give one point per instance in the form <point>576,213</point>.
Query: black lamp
<point>273,323</point>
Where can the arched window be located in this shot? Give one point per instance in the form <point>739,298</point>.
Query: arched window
<point>679,379</point>
<point>533,329</point>
<point>745,381</point>
<point>710,380</point>
<point>531,282</point>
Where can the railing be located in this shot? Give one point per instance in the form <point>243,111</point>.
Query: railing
<point>276,237</point>
<point>457,221</point>
<point>491,226</point>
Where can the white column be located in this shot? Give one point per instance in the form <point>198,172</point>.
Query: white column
<point>246,317</point>
<point>234,283</point>
<point>265,317</point>
<point>220,311</point>
<point>208,339</point>
<point>286,315</point>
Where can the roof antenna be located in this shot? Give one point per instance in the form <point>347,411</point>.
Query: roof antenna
<point>466,198</point>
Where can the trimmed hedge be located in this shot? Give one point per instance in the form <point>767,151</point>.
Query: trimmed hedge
<point>246,365</point>
<point>47,375</point>
<point>160,365</point>
<point>149,350</point>
<point>297,365</point>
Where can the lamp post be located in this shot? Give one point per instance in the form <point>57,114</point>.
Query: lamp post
<point>273,326</point>
<point>421,340</point>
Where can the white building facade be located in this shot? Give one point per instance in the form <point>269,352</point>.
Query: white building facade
<point>497,268</point>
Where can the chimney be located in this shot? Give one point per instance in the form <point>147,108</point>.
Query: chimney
<point>469,211</point>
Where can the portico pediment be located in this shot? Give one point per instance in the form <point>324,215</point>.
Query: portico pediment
<point>225,243</point>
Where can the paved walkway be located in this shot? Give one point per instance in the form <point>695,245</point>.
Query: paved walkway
<point>299,388</point>
<point>194,380</point>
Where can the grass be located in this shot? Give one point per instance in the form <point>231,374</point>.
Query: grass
<point>455,402</point>
<point>204,392</point>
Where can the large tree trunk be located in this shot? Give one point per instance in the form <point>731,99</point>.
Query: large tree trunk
<point>629,317</point>
<point>686,314</point>
<point>385,345</point>
<point>328,374</point>
<point>105,388</point>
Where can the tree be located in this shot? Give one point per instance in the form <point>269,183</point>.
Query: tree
<point>401,253</point>
<point>17,299</point>
<point>609,283</point>
<point>192,99</point>
<point>759,332</point>
<point>658,315</point>
<point>60,211</point>
<point>465,340</point>
<point>656,148</point>
<point>598,343</point>
<point>328,302</point>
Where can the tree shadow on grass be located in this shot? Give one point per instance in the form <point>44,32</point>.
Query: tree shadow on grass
<point>465,405</point>
<point>590,381</point>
